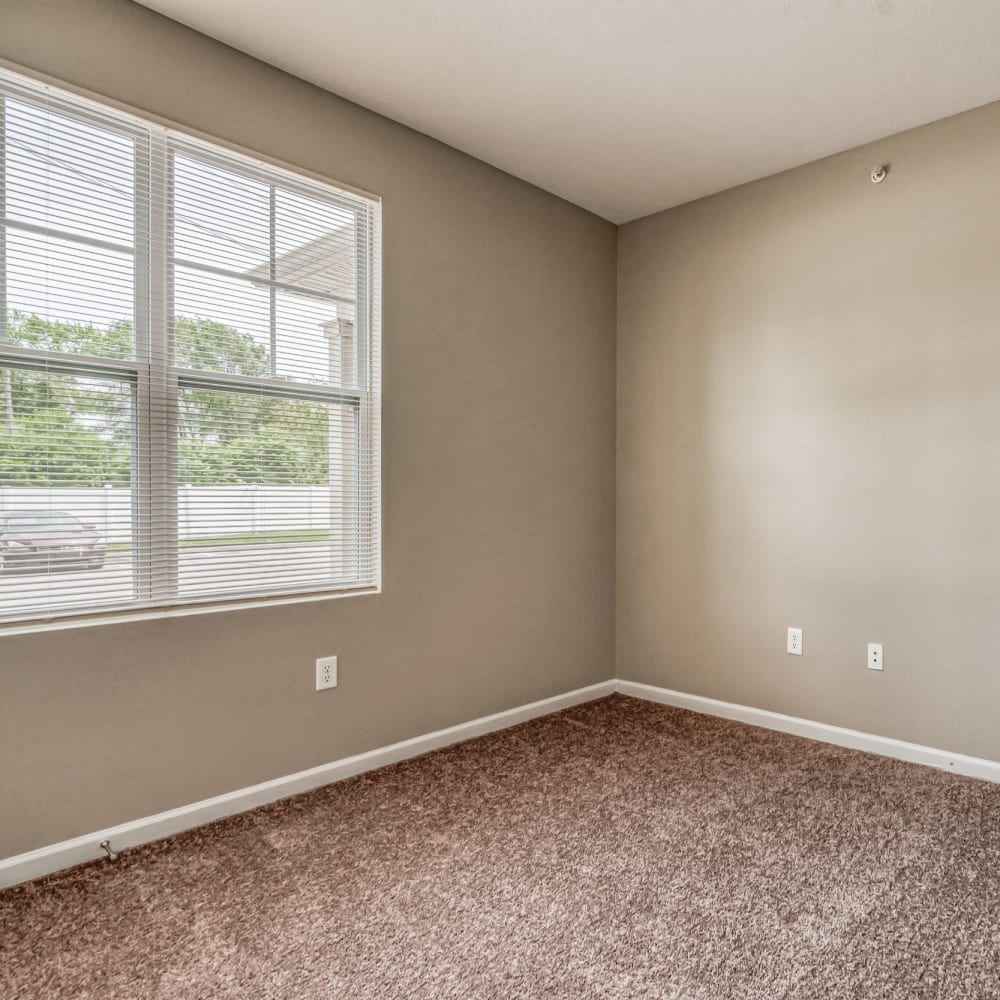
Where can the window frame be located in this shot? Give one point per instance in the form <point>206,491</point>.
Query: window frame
<point>157,383</point>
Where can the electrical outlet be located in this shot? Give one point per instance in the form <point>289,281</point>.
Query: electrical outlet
<point>326,672</point>
<point>795,641</point>
<point>875,661</point>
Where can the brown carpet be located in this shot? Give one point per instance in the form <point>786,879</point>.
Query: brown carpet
<point>618,849</point>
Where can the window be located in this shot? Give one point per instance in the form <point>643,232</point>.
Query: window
<point>189,369</point>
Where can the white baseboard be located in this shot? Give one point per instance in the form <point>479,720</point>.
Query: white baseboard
<point>66,854</point>
<point>974,767</point>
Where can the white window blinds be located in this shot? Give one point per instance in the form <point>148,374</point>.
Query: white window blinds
<point>189,369</point>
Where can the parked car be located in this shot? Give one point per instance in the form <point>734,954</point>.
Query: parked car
<point>42,541</point>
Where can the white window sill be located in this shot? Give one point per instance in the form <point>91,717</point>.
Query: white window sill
<point>75,621</point>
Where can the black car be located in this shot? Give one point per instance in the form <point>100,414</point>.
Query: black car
<point>42,541</point>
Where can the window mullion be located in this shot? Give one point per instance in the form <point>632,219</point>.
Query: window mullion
<point>158,508</point>
<point>272,270</point>
<point>141,522</point>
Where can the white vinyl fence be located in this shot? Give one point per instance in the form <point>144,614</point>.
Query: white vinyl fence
<point>202,511</point>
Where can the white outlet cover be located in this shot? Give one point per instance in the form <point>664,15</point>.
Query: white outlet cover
<point>794,642</point>
<point>326,672</point>
<point>876,659</point>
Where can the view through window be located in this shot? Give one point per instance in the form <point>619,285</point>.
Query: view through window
<point>188,368</point>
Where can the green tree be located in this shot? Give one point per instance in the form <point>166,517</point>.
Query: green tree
<point>72,430</point>
<point>80,458</point>
<point>114,341</point>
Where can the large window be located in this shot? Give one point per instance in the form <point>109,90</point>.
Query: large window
<point>189,369</point>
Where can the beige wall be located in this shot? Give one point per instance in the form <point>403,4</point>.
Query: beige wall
<point>499,313</point>
<point>809,435</point>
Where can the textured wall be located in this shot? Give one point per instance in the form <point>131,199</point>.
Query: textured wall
<point>498,426</point>
<point>809,433</point>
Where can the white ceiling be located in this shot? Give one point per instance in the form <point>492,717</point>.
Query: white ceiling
<point>630,106</point>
